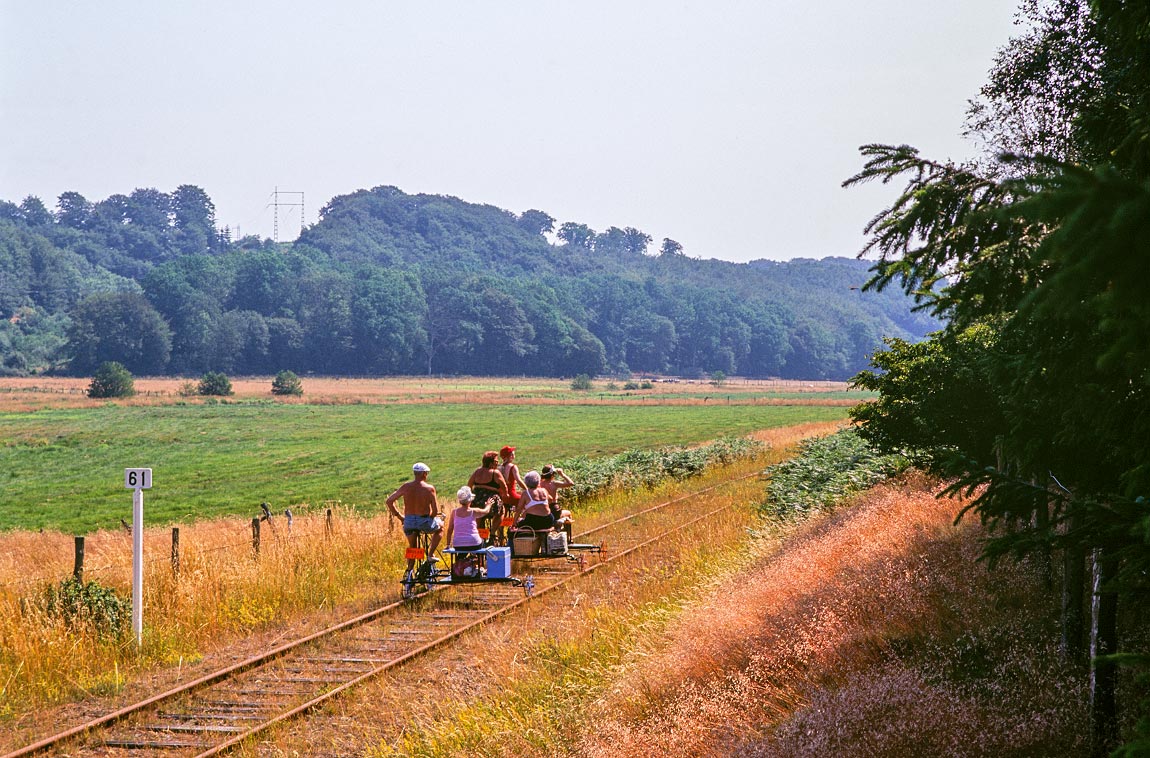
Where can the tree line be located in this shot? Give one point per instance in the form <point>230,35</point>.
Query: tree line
<point>1035,396</point>
<point>391,283</point>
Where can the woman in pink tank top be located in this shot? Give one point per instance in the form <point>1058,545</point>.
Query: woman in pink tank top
<point>462,529</point>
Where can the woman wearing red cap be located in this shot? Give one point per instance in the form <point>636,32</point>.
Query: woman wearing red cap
<point>510,473</point>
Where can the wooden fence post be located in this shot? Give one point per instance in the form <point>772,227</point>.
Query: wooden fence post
<point>78,566</point>
<point>176,551</point>
<point>256,537</point>
<point>327,523</point>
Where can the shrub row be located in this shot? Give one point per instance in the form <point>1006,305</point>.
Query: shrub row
<point>111,379</point>
<point>826,470</point>
<point>646,468</point>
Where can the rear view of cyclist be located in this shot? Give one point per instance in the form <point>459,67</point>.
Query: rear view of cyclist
<point>420,514</point>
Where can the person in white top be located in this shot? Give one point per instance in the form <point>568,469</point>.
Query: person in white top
<point>534,509</point>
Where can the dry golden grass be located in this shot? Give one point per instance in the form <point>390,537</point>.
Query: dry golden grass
<point>846,637</point>
<point>870,632</point>
<point>221,596</point>
<point>782,438</point>
<point>22,394</point>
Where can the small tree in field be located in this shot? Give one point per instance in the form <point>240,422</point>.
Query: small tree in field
<point>719,378</point>
<point>287,383</point>
<point>581,382</point>
<point>215,383</point>
<point>111,380</point>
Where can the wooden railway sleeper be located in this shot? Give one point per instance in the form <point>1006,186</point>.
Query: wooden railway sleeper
<point>125,744</point>
<point>209,716</point>
<point>194,728</point>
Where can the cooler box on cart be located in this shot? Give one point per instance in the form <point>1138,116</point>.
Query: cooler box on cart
<point>499,563</point>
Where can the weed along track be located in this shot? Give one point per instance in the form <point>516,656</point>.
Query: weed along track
<point>219,711</point>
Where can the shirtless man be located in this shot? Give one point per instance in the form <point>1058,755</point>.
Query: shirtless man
<point>420,513</point>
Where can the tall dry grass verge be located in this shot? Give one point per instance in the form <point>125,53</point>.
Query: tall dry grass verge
<point>224,604</point>
<point>871,632</point>
<point>222,595</point>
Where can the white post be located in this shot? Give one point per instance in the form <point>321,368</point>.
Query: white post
<point>138,565</point>
<point>138,480</point>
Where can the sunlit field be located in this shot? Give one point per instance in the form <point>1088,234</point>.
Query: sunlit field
<point>62,465</point>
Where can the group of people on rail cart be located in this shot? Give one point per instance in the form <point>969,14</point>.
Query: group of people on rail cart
<point>495,497</point>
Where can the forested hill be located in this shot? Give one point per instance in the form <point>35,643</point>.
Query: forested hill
<point>391,283</point>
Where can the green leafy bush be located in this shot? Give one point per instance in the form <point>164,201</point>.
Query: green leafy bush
<point>111,379</point>
<point>581,382</point>
<point>88,603</point>
<point>646,468</point>
<point>215,383</point>
<point>825,471</point>
<point>630,385</point>
<point>287,383</point>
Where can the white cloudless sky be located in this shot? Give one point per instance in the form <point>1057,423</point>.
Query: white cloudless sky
<point>725,125</point>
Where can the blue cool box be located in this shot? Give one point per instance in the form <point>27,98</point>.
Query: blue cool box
<point>499,562</point>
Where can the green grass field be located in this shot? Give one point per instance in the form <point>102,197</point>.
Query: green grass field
<point>63,469</point>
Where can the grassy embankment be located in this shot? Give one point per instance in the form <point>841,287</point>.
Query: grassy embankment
<point>871,630</point>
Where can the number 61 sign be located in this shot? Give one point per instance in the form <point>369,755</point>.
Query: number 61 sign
<point>138,478</point>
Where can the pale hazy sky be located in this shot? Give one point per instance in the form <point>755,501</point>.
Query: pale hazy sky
<point>725,125</point>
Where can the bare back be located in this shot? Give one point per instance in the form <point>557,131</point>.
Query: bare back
<point>418,498</point>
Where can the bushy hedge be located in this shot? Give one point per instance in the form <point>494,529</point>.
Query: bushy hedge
<point>826,470</point>
<point>646,468</point>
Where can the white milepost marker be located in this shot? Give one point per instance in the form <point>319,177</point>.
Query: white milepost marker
<point>138,480</point>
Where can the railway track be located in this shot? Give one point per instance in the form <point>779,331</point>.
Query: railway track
<point>217,712</point>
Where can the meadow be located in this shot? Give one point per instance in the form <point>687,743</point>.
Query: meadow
<point>351,442</point>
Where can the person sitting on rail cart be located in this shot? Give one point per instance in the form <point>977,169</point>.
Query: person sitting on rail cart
<point>420,514</point>
<point>552,485</point>
<point>463,536</point>
<point>510,471</point>
<point>534,510</point>
<point>490,489</point>
<point>462,530</point>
